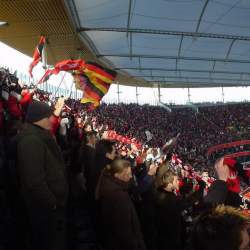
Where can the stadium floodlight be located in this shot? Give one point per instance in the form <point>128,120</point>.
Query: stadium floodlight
<point>3,23</point>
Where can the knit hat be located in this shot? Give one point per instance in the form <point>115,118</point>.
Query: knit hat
<point>230,162</point>
<point>37,111</point>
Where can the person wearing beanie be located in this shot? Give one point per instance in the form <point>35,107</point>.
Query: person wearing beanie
<point>43,181</point>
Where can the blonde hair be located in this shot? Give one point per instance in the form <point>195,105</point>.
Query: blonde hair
<point>116,166</point>
<point>164,176</point>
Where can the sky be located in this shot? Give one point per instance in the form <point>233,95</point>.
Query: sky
<point>15,60</point>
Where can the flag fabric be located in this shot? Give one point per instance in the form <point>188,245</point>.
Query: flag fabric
<point>66,65</point>
<point>37,56</point>
<point>94,80</point>
<point>91,78</point>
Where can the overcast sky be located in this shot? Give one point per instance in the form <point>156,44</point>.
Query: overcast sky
<point>15,60</point>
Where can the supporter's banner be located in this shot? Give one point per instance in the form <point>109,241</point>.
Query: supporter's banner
<point>66,65</point>
<point>227,145</point>
<point>37,56</point>
<point>94,80</point>
<point>112,135</point>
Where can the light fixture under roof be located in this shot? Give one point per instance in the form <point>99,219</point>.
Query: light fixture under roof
<point>3,23</point>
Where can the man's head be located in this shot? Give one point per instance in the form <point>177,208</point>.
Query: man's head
<point>205,176</point>
<point>39,113</point>
<point>87,127</point>
<point>166,179</point>
<point>223,227</point>
<point>120,169</point>
<point>89,138</point>
<point>106,149</point>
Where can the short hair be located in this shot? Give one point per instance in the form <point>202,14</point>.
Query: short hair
<point>117,166</point>
<point>104,146</point>
<point>219,228</point>
<point>164,176</point>
<point>87,136</point>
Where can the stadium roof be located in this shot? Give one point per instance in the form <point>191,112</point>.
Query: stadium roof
<point>174,43</point>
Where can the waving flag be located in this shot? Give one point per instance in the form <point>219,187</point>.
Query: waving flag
<point>37,56</point>
<point>66,65</point>
<point>94,80</point>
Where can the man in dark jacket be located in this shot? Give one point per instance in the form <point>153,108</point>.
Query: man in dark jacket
<point>120,227</point>
<point>169,208</point>
<point>43,181</point>
<point>87,160</point>
<point>219,192</point>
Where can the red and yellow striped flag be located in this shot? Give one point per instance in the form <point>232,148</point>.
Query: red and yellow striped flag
<point>94,80</point>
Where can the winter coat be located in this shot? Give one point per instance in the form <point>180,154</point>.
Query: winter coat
<point>87,161</point>
<point>120,228</point>
<point>169,220</point>
<point>220,194</point>
<point>41,169</point>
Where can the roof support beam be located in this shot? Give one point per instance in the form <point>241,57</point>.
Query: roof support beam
<point>129,16</point>
<point>230,48</point>
<point>167,32</point>
<point>201,15</point>
<point>185,70</point>
<point>214,65</point>
<point>179,52</point>
<point>175,57</point>
<point>189,79</point>
<point>139,63</point>
<point>131,45</point>
<point>201,84</point>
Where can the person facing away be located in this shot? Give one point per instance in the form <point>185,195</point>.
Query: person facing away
<point>119,224</point>
<point>43,181</point>
<point>87,159</point>
<point>105,153</point>
<point>223,227</point>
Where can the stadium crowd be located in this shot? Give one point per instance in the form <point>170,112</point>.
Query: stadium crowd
<point>71,178</point>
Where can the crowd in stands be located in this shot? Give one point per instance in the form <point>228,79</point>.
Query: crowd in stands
<point>74,178</point>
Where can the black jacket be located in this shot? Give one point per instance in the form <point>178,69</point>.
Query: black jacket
<point>87,161</point>
<point>168,218</point>
<point>120,226</point>
<point>41,169</point>
<point>219,194</point>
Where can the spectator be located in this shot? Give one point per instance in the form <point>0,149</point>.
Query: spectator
<point>168,212</point>
<point>43,179</point>
<point>119,223</point>
<point>105,154</point>
<point>221,228</point>
<point>87,160</point>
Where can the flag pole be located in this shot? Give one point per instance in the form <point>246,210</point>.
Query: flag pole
<point>60,83</point>
<point>71,89</point>
<point>44,62</point>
